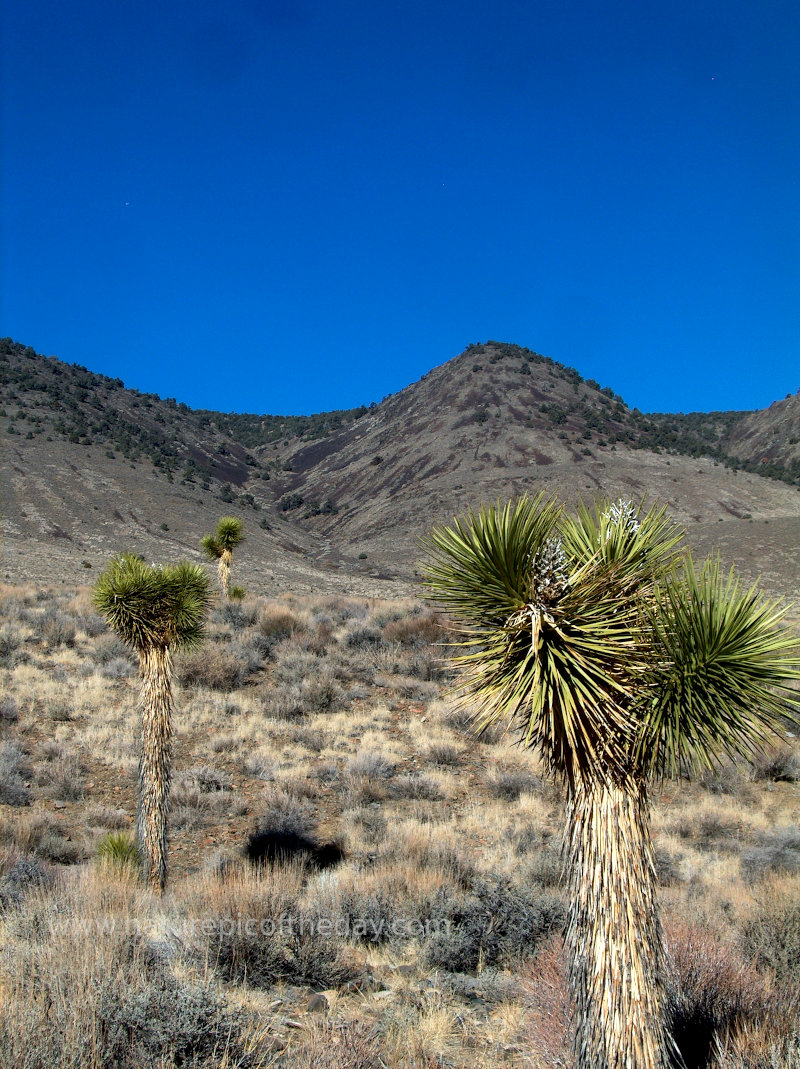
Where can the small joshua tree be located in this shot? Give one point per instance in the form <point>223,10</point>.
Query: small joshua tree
<point>622,663</point>
<point>154,609</point>
<point>220,545</point>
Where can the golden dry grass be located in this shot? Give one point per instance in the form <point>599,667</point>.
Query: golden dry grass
<point>340,726</point>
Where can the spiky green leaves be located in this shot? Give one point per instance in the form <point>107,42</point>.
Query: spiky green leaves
<point>153,606</point>
<point>554,630</point>
<point>583,629</point>
<point>229,533</point>
<point>719,681</point>
<point>479,567</point>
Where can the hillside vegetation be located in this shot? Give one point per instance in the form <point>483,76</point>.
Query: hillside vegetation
<point>43,394</point>
<point>436,941</point>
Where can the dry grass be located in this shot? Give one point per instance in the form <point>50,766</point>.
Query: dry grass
<point>436,939</point>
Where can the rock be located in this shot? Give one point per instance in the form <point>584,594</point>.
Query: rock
<point>318,1004</point>
<point>366,984</point>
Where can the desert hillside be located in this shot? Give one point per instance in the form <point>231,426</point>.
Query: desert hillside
<point>338,501</point>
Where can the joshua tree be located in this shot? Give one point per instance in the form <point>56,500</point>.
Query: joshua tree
<point>621,663</point>
<point>220,545</point>
<point>154,609</point>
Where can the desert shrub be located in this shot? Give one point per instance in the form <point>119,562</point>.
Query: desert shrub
<point>257,931</point>
<point>508,784</point>
<point>277,623</point>
<point>421,629</point>
<point>24,875</point>
<point>712,993</point>
<point>284,703</point>
<point>9,711</point>
<point>417,786</point>
<point>774,851</point>
<point>283,811</point>
<point>110,648</point>
<point>321,693</point>
<point>361,637</point>
<point>103,816</point>
<point>236,614</point>
<point>56,630</point>
<point>370,764</point>
<point>109,1002</point>
<point>211,667</point>
<point>118,850</point>
<point>64,779</point>
<point>771,938</point>
<point>9,645</point>
<point>119,668</point>
<point>494,923</point>
<point>340,1045</point>
<point>778,766</point>
<point>43,835</point>
<point>14,771</point>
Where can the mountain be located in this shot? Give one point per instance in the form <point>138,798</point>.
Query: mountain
<point>770,438</point>
<point>340,499</point>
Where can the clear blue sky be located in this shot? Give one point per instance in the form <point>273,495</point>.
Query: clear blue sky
<point>295,205</point>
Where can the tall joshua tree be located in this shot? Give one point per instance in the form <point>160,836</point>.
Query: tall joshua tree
<point>154,609</point>
<point>621,662</point>
<point>220,545</point>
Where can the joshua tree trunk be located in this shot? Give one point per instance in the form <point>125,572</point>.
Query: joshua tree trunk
<point>224,570</point>
<point>614,935</point>
<point>154,765</point>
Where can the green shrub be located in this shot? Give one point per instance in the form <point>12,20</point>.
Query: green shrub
<point>118,849</point>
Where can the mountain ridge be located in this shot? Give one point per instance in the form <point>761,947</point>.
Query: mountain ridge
<point>343,497</point>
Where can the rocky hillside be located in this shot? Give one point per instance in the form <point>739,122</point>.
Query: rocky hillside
<point>770,438</point>
<point>342,498</point>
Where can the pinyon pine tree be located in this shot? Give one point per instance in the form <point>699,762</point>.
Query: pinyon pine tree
<point>621,663</point>
<point>220,545</point>
<point>154,609</point>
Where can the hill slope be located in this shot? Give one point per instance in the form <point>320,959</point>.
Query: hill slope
<point>338,499</point>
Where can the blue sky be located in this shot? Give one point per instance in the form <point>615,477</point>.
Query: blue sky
<point>287,206</point>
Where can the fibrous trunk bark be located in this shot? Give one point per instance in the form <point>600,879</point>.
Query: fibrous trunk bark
<point>224,571</point>
<point>614,936</point>
<point>155,764</point>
